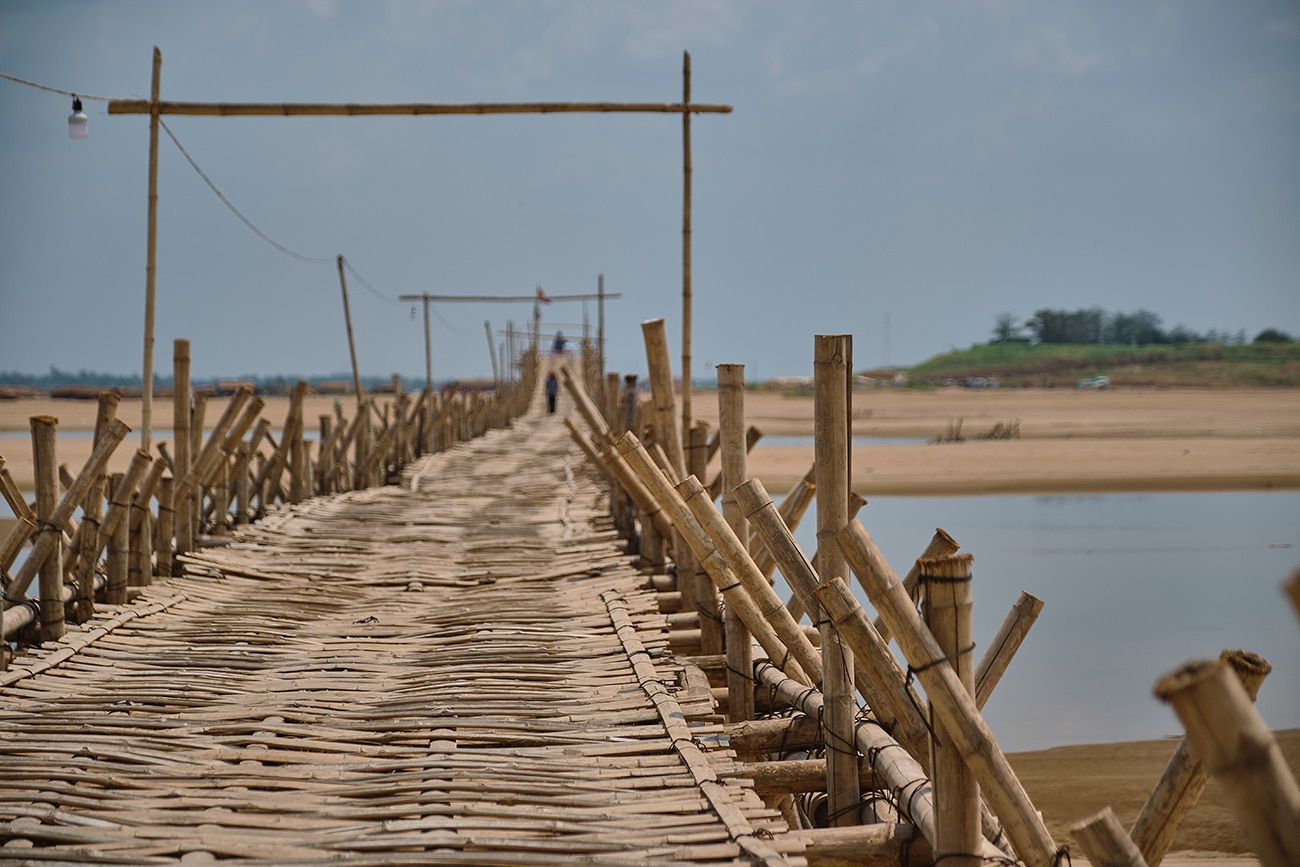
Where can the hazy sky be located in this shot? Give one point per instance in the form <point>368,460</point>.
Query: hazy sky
<point>900,171</point>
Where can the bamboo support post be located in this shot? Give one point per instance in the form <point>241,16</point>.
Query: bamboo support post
<point>45,542</point>
<point>730,585</point>
<point>1240,752</point>
<point>181,415</point>
<point>731,436</point>
<point>120,498</point>
<point>163,550</point>
<point>1102,839</point>
<point>952,704</point>
<point>724,542</point>
<point>947,610</point>
<point>714,487</point>
<point>140,562</point>
<point>832,366</point>
<point>993,664</point>
<point>661,392</point>
<point>45,463</point>
<point>1184,777</point>
<point>117,557</point>
<point>692,580</point>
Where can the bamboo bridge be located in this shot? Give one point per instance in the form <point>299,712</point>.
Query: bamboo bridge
<point>535,641</point>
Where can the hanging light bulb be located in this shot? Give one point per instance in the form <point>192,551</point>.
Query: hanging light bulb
<point>78,122</point>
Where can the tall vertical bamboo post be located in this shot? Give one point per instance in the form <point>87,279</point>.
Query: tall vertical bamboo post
<point>661,392</point>
<point>832,361</point>
<point>1184,777</point>
<point>950,700</point>
<point>46,463</point>
<point>947,609</point>
<point>686,245</point>
<point>352,347</point>
<point>151,257</point>
<point>166,527</point>
<point>181,439</point>
<point>117,562</point>
<point>629,405</point>
<point>600,336</point>
<point>1241,753</point>
<point>697,589</point>
<point>731,430</point>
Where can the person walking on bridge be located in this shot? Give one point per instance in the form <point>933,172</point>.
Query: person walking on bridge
<point>552,391</point>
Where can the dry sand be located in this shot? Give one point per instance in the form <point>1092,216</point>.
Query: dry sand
<point>1070,441</point>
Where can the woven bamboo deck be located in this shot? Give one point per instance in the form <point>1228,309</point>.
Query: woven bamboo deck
<point>463,669</point>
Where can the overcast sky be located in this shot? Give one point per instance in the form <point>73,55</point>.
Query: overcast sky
<point>900,171</point>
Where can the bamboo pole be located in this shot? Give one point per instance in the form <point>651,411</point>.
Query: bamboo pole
<point>352,347</point>
<point>152,108</point>
<point>832,360</point>
<point>941,545</point>
<point>714,487</point>
<point>590,414</point>
<point>45,463</point>
<point>1241,753</point>
<point>951,702</point>
<point>164,550</point>
<point>856,502</point>
<point>687,172</point>
<point>947,610</point>
<point>181,440</point>
<point>993,664</point>
<point>59,519</point>
<point>661,392</point>
<point>1184,777</point>
<point>584,444</point>
<point>117,559</point>
<point>352,109</point>
<point>645,501</point>
<point>1103,840</point>
<point>694,584</point>
<point>119,505</point>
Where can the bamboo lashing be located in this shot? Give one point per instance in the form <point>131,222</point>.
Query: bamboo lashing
<point>947,611</point>
<point>1184,777</point>
<point>950,700</point>
<point>1011,634</point>
<point>45,542</point>
<point>1103,840</point>
<point>941,545</point>
<point>1240,752</point>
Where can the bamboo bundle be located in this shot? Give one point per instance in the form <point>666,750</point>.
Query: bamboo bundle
<point>951,703</point>
<point>1184,777</point>
<point>1241,753</point>
<point>731,586</point>
<point>46,542</point>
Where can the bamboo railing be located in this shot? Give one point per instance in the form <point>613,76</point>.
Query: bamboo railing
<point>143,522</point>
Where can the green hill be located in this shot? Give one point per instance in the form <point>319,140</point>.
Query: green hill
<point>1056,365</point>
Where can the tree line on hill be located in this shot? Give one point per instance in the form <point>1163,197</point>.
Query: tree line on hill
<point>1097,326</point>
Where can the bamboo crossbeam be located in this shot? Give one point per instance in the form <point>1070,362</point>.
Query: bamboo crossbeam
<point>993,664</point>
<point>1241,753</point>
<point>354,109</point>
<point>951,702</point>
<point>758,737</point>
<point>1184,777</point>
<point>795,776</point>
<point>879,845</point>
<point>73,497</point>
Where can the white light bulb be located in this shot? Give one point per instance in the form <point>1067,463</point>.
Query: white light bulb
<point>78,122</point>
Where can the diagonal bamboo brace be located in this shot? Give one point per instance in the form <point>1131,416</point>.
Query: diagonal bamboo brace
<point>1184,777</point>
<point>72,498</point>
<point>950,701</point>
<point>1241,753</point>
<point>993,664</point>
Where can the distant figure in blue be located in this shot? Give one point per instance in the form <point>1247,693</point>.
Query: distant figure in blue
<point>557,348</point>
<point>552,391</point>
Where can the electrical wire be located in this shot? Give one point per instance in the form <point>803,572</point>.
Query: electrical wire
<point>373,291</point>
<point>76,94</point>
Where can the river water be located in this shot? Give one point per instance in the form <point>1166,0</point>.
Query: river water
<point>1133,585</point>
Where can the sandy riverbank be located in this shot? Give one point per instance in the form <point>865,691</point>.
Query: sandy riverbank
<point>1070,441</point>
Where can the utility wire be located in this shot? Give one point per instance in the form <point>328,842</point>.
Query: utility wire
<point>220,195</point>
<point>54,89</point>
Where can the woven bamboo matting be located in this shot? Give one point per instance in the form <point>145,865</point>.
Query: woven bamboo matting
<point>463,669</point>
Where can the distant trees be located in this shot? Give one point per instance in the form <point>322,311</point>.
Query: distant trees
<point>1094,325</point>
